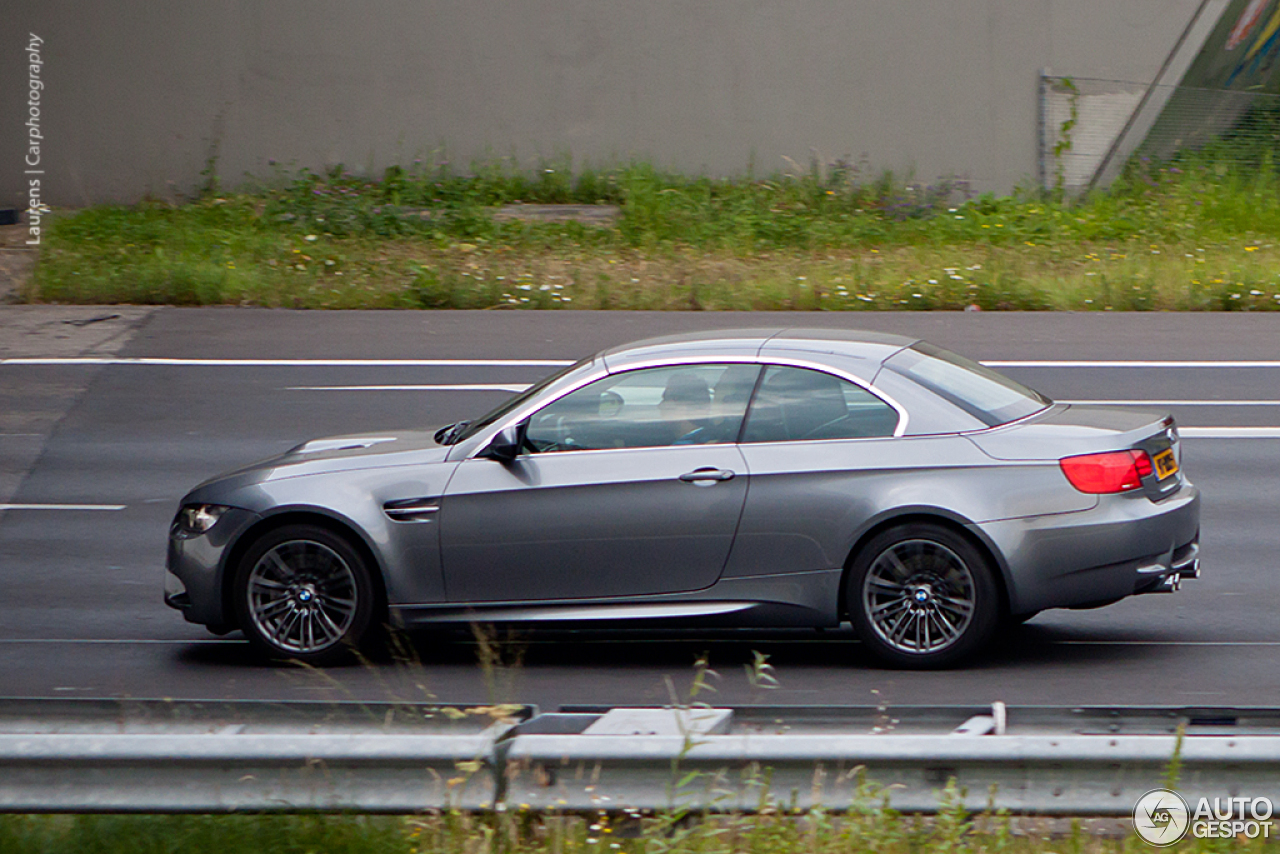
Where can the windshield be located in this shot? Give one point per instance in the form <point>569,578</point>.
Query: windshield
<point>990,397</point>
<point>510,404</point>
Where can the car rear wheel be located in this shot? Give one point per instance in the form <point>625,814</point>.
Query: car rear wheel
<point>303,593</point>
<point>922,596</point>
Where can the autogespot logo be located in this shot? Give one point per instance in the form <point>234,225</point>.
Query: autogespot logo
<point>1161,817</point>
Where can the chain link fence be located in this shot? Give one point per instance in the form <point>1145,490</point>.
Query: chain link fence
<point>1090,128</point>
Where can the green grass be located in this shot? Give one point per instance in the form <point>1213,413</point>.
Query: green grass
<point>194,834</point>
<point>816,831</point>
<point>1199,234</point>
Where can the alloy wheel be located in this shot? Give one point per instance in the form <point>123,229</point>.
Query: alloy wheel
<point>919,596</point>
<point>302,596</point>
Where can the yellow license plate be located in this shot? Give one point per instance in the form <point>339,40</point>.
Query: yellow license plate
<point>1165,464</point>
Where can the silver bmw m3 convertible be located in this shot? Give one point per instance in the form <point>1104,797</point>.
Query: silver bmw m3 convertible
<point>763,478</point>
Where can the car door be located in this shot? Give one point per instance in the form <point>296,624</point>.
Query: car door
<point>630,486</point>
<point>819,449</point>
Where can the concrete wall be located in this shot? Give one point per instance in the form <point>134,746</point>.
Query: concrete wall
<point>140,92</point>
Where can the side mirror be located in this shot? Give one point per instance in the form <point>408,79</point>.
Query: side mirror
<point>505,446</point>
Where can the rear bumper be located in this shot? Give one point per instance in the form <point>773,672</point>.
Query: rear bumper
<point>1125,545</point>
<point>1165,573</point>
<point>1166,577</point>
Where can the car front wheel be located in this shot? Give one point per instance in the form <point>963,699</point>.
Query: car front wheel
<point>303,593</point>
<point>922,596</point>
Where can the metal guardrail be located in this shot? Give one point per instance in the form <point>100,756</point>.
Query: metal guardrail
<point>161,756</point>
<point>220,773</point>
<point>72,756</point>
<point>1044,775</point>
<point>247,717</point>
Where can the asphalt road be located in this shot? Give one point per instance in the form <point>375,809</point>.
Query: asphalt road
<point>80,609</point>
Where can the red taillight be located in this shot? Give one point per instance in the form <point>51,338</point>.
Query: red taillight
<point>1103,474</point>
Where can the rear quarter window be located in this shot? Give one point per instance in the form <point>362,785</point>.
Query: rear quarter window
<point>991,398</point>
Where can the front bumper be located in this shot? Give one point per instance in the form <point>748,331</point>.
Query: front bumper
<point>195,568</point>
<point>1126,544</point>
<point>175,592</point>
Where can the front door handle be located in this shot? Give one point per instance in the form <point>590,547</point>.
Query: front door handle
<point>706,476</point>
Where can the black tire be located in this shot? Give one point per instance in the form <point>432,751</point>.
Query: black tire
<point>921,596</point>
<point>303,593</point>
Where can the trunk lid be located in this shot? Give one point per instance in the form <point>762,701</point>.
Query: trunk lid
<point>1065,430</point>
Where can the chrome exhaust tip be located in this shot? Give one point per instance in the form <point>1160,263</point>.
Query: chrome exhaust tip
<point>1190,569</point>
<point>1188,563</point>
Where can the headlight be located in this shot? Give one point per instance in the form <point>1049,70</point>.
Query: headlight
<point>196,519</point>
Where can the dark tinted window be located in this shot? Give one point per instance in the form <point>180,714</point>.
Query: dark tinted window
<point>653,407</point>
<point>798,404</point>
<point>986,395</point>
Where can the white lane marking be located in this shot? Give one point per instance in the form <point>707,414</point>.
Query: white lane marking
<point>63,506</point>
<point>12,641</point>
<point>597,641</point>
<point>547,363</point>
<point>1161,643</point>
<point>1229,432</point>
<point>1085,363</point>
<point>521,387</point>
<point>293,363</point>
<point>1172,402</point>
<point>838,639</point>
<point>511,387</point>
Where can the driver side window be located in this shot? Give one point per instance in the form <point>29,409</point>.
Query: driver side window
<point>651,407</point>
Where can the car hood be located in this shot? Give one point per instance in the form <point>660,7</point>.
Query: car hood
<point>340,453</point>
<point>365,445</point>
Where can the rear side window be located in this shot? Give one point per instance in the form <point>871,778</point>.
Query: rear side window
<point>796,404</point>
<point>990,397</point>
